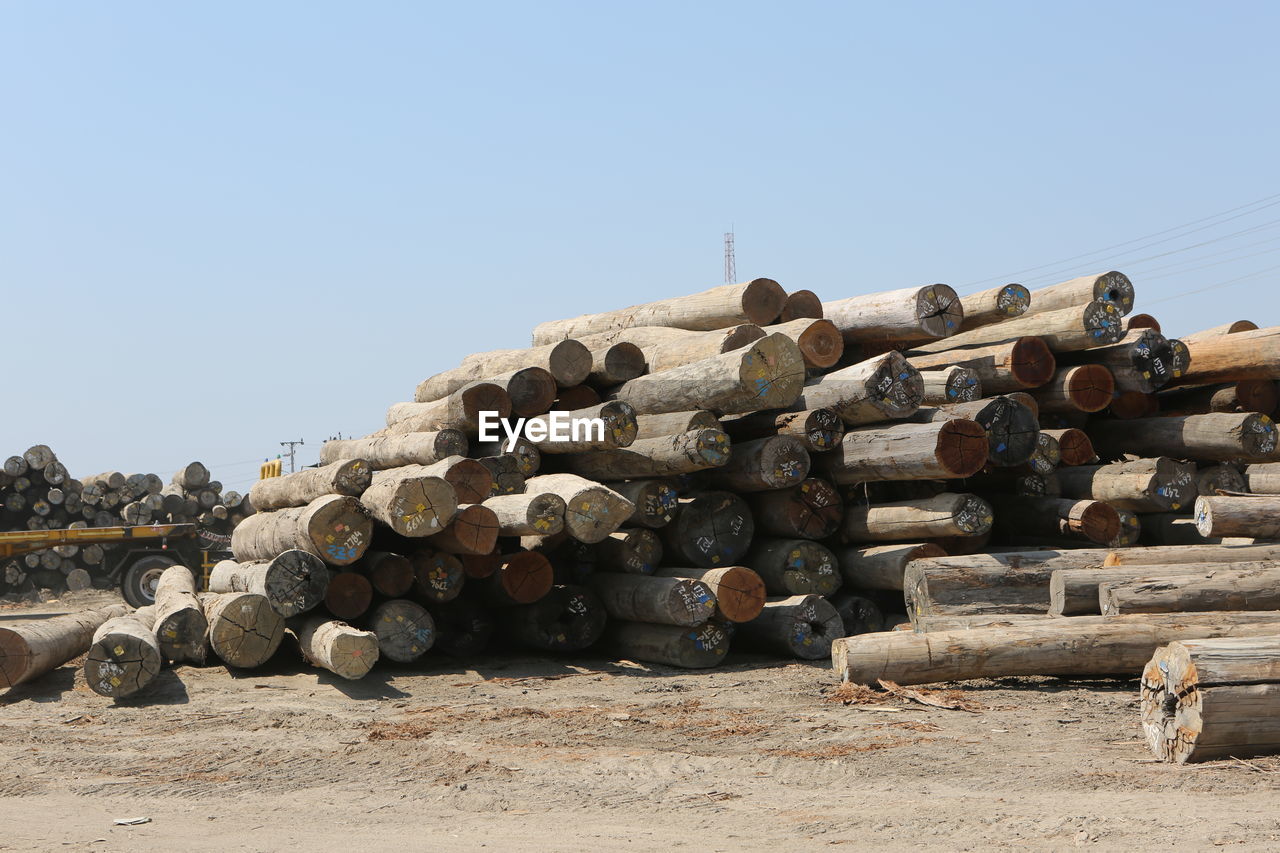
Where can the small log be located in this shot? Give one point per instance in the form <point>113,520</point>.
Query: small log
<point>1256,516</point>
<point>1110,287</point>
<point>1161,555</point>
<point>656,501</point>
<point>293,582</point>
<point>1088,520</point>
<point>946,514</point>
<point>1001,367</point>
<point>606,426</point>
<point>1120,646</point>
<point>567,619</point>
<point>522,577</point>
<point>336,646</point>
<point>1262,479</point>
<point>405,630</point>
<point>674,423</point>
<point>1141,485</point>
<point>188,478</point>
<point>932,590</point>
<point>1168,528</point>
<point>1247,395</point>
<point>529,514</point>
<point>994,305</point>
<point>568,362</point>
<point>1047,456</point>
<point>663,348</point>
<point>1076,327</point>
<point>1012,428</point>
<point>711,529</point>
<point>801,626</point>
<point>335,528</point>
<point>463,628</point>
<point>474,530</point>
<point>391,575</point>
<point>180,624</point>
<point>410,501</point>
<point>348,596</point>
<point>1217,437</point>
<point>1225,329</point>
<point>881,566</point>
<point>471,480</point>
<point>1074,592</point>
<point>577,397</point>
<point>592,511</point>
<point>811,510</point>
<point>662,601</point>
<point>437,576</point>
<point>909,314</point>
<point>945,449</point>
<point>762,464</point>
<point>527,456</point>
<point>952,384</point>
<point>819,429</point>
<point>634,550</point>
<point>615,364</point>
<point>244,629</point>
<point>690,648</point>
<point>682,453</point>
<point>1074,446</point>
<point>882,388</point>
<point>1142,361</point>
<point>1216,589</point>
<point>460,410</point>
<point>1130,529</point>
<point>532,391</point>
<point>504,469</point>
<point>820,342</point>
<point>739,592</point>
<point>392,451</point>
<point>480,565</point>
<point>1141,321</point>
<point>758,301</point>
<point>793,566</point>
<point>343,477</point>
<point>801,304</point>
<point>125,656</point>
<point>1230,358</point>
<point>1084,388</point>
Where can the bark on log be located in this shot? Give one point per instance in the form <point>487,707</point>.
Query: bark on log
<point>578,431</point>
<point>180,624</point>
<point>690,648</point>
<point>392,451</point>
<point>1087,520</point>
<point>662,601</point>
<point>592,511</point>
<point>460,410</point>
<point>1084,388</point>
<point>946,514</point>
<point>1214,437</point>
<point>881,567</point>
<point>1073,592</point>
<point>348,596</point>
<point>994,306</point>
<point>1230,358</point>
<point>1225,329</point>
<point>1208,699</point>
<point>1141,485</point>
<point>1256,516</point>
<point>909,314</point>
<point>820,342</point>
<point>682,453</point>
<point>567,619</point>
<point>930,590</point>
<point>952,384</point>
<point>656,501</point>
<point>1247,395</point>
<point>946,449</point>
<point>343,477</point>
<point>1110,287</point>
<point>801,304</point>
<point>1012,428</point>
<point>405,630</point>
<point>568,362</point>
<point>777,462</point>
<point>1024,362</point>
<point>635,550</point>
<point>437,576</point>
<point>125,656</point>
<point>811,510</point>
<point>335,528</point>
<point>1067,329</point>
<point>767,374</point>
<point>336,646</point>
<point>739,592</point>
<point>1217,589</point>
<point>1160,555</point>
<point>674,423</point>
<point>1121,646</point>
<point>794,566</point>
<point>522,577</point>
<point>711,529</point>
<point>474,530</point>
<point>529,514</point>
<point>819,429</point>
<point>882,388</point>
<point>411,501</point>
<point>758,301</point>
<point>801,626</point>
<point>244,629</point>
<point>294,582</point>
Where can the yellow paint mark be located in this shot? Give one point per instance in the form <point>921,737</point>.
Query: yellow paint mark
<point>119,650</point>
<point>115,681</point>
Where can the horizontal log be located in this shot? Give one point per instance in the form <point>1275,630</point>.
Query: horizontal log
<point>820,342</point>
<point>994,305</point>
<point>673,423</point>
<point>125,656</point>
<point>473,530</point>
<point>656,501</point>
<point>663,347</point>
<point>293,582</point>
<point>471,481</point>
<point>568,362</point>
<point>663,456</point>
<point>335,528</point>
<point>1110,287</point>
<point>1067,518</point>
<point>342,477</point>
<point>1074,445</point>
<point>592,511</point>
<point>528,514</point>
<point>857,614</point>
<point>776,462</point>
<point>819,429</point>
<point>570,618</point>
<point>801,304</point>
<point>944,449</point>
<point>1074,592</point>
<point>404,629</point>
<point>812,509</point>
<point>1247,395</point>
<point>946,514</point>
<point>1224,329</point>
<point>1141,361</point>
<point>244,629</point>
<point>1256,516</point>
<point>615,364</point>
<point>349,595</point>
<point>1001,367</point>
<point>794,566</point>
<point>1011,427</point>
<point>337,647</point>
<point>1262,479</point>
<point>881,567</point>
<point>908,314</point>
<point>930,590</point>
<point>391,575</point>
<point>1213,437</point>
<point>1230,358</point>
<point>460,410</point>
<point>1161,555</point>
<point>438,576</point>
<point>801,626</point>
<point>952,384</point>
<point>1076,327</point>
<point>881,388</point>
<point>632,550</point>
<point>1140,485</point>
<point>739,592</point>
<point>522,577</point>
<point>711,529</point>
<point>661,601</point>
<point>1083,388</point>
<point>411,501</point>
<point>691,648</point>
<point>1218,589</point>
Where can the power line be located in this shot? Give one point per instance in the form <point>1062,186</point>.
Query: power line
<point>1226,283</point>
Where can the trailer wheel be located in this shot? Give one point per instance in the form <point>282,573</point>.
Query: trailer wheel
<point>138,584</point>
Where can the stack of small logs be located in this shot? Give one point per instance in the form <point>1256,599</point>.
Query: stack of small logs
<point>37,493</point>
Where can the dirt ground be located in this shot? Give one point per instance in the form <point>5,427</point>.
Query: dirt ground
<point>541,755</point>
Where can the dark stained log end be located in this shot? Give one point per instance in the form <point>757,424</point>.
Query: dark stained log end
<point>823,429</point>
<point>437,576</point>
<point>1091,387</point>
<point>1129,405</point>
<point>482,397</point>
<point>939,311</point>
<point>1014,300</point>
<point>405,630</point>
<point>762,301</point>
<point>1031,361</point>
<point>525,577</point>
<point>801,305</point>
<point>1099,522</point>
<point>1075,447</point>
<point>532,391</point>
<point>1104,322</point>
<point>1116,289</point>
<point>480,565</point>
<point>1258,433</point>
<point>975,516</point>
<point>620,423</point>
<point>569,362</point>
<point>577,397</point>
<point>898,388</point>
<point>1257,395</point>
<point>349,595</point>
<point>390,574</point>
<point>962,447</point>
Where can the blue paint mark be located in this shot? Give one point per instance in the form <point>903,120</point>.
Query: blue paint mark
<point>1000,447</point>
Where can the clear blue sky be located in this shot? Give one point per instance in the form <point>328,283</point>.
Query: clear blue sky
<point>224,225</point>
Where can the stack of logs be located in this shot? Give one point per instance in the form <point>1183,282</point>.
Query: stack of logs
<point>37,493</point>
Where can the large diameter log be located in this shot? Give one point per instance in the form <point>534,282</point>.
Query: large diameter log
<point>391,575</point>
<point>592,511</point>
<point>801,626</point>
<point>1230,358</point>
<point>1247,395</point>
<point>1120,646</point>
<point>1263,479</point>
<point>615,364</point>
<point>1065,330</point>
<point>461,410</point>
<point>739,592</point>
<point>1088,520</point>
<point>578,397</point>
<point>952,384</point>
<point>682,453</point>
<point>410,501</point>
<point>474,530</point>
<point>345,651</point>
<point>663,601</point>
<point>525,454</point>
<point>691,648</point>
<point>1216,589</point>
<point>294,582</point>
<point>794,566</point>
<point>392,451</point>
<point>189,477</point>
<point>881,567</point>
<point>776,462</point>
<point>1165,554</point>
<point>635,550</point>
<point>819,429</point>
<point>567,619</point>
<point>1217,437</point>
<point>945,449</point>
<point>994,305</point>
<point>758,301</point>
<point>711,529</point>
<point>930,590</point>
<point>820,342</point>
<point>1256,516</point>
<point>244,629</point>
<point>1004,366</point>
<point>673,423</point>
<point>1012,428</point>
<point>125,656</point>
<point>1225,329</point>
<point>1111,287</point>
<point>438,576</point>
<point>656,501</point>
<point>463,627</point>
<point>532,390</point>
<point>1074,592</point>
<point>1141,485</point>
<point>349,595</point>
<point>946,514</point>
<point>344,477</point>
<point>881,388</point>
<point>568,362</point>
<point>909,314</point>
<point>30,649</point>
<point>405,630</point>
<point>180,624</point>
<point>801,304</point>
<point>1168,528</point>
<point>335,528</point>
<point>602,427</point>
<point>766,374</point>
<point>1142,361</point>
<point>1208,699</point>
<point>472,482</point>
<point>812,509</point>
<point>528,514</point>
<point>1131,405</point>
<point>1084,388</point>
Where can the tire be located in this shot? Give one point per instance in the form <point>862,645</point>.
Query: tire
<point>138,581</point>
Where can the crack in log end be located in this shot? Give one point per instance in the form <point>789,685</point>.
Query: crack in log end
<point>939,311</point>
<point>898,388</point>
<point>762,301</point>
<point>773,370</point>
<point>15,658</point>
<point>1116,289</point>
<point>1090,387</point>
<point>1013,300</point>
<point>961,447</point>
<point>1103,322</point>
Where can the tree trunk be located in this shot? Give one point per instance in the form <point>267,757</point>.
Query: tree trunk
<point>858,615</point>
<point>335,528</point>
<point>1167,528</point>
<point>344,477</point>
<point>801,304</point>
<point>801,626</point>
<point>437,576</point>
<point>1076,591</point>
<point>819,429</point>
<point>410,501</point>
<point>662,601</point>
<point>1142,485</point>
<point>561,432</point>
<point>392,451</point>
<point>293,582</point>
<point>1257,516</point>
<point>474,530</point>
<point>1088,520</point>
<point>674,423</point>
<point>1074,446</point>
<point>125,656</point>
<point>1121,646</point>
<point>793,566</point>
<point>1011,427</point>
<point>1225,329</point>
<point>615,364</point>
<point>592,511</point>
<point>529,514</point>
<point>691,648</point>
<point>460,410</point>
<point>1224,588</point>
<point>635,551</point>
<point>1213,437</point>
<point>931,590</point>
<point>567,619</point>
<point>882,388</point>
<point>656,501</point>
<point>711,529</point>
<point>682,453</point>
<point>1001,367</point>
<point>662,347</point>
<point>820,342</point>
<point>1230,358</point>
<point>180,625</point>
<point>952,384</point>
<point>1077,327</point>
<point>1247,395</point>
<point>1084,388</point>
<point>336,646</point>
<point>30,649</point>
<point>568,362</point>
<point>811,510</point>
<point>405,630</point>
<point>525,454</point>
<point>189,478</point>
<point>909,314</point>
<point>522,577</point>
<point>532,391</point>
<point>244,629</point>
<point>882,566</point>
<point>739,592</point>
<point>946,514</point>
<point>578,397</point>
<point>777,462</point>
<point>1110,287</point>
<point>758,301</point>
<point>1262,479</point>
<point>994,306</point>
<point>946,449</point>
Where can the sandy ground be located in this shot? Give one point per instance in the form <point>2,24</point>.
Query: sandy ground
<point>540,755</point>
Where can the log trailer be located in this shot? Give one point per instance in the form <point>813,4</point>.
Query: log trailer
<point>140,556</point>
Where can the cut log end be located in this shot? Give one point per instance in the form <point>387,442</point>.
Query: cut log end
<point>1074,447</point>
<point>821,344</point>
<point>525,577</point>
<point>1097,521</point>
<point>762,301</point>
<point>774,369</point>
<point>1116,289</point>
<point>939,311</point>
<point>1090,387</point>
<point>962,447</point>
<point>802,304</point>
<point>1031,362</point>
<point>1013,300</point>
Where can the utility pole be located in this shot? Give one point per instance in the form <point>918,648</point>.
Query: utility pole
<point>730,265</point>
<point>292,445</point>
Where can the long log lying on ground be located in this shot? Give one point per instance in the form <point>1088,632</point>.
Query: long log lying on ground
<point>460,410</point>
<point>1166,554</point>
<point>878,389</point>
<point>1230,358</point>
<point>766,374</point>
<point>294,582</point>
<point>405,630</point>
<point>1257,516</point>
<point>567,619</point>
<point>335,528</point>
<point>1214,437</point>
<point>345,651</point>
<point>711,529</point>
<point>811,510</point>
<point>125,656</point>
<point>739,592</point>
<point>1087,520</point>
<point>1110,287</point>
<point>947,514</point>
<point>952,384</point>
<point>819,429</point>
<point>994,305</point>
<point>1074,592</point>
<point>973,591</point>
<point>1216,589</point>
<point>691,648</point>
<point>758,301</point>
<point>343,477</point>
<point>180,625</point>
<point>568,362</point>
<point>1084,388</point>
<point>1063,330</point>
<point>1247,395</point>
<point>411,501</point>
<point>794,566</point>
<point>909,314</point>
<point>801,626</point>
<point>882,566</point>
<point>1141,485</point>
<point>1074,445</point>
<point>945,449</point>
<point>392,451</point>
<point>592,511</point>
<point>1004,366</point>
<point>244,629</point>
<point>661,601</point>
<point>1121,646</point>
<point>776,462</point>
<point>1207,699</point>
<point>663,456</point>
<point>1011,427</point>
<point>820,342</point>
